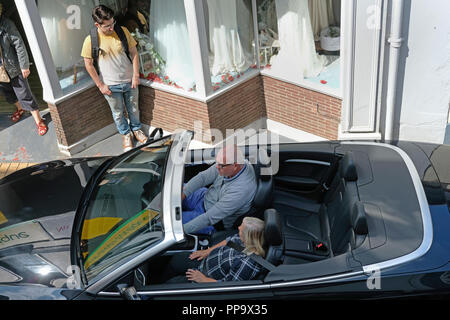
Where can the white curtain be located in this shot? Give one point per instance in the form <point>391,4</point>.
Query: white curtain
<point>168,29</point>
<point>66,29</point>
<point>228,53</point>
<point>322,15</point>
<point>297,58</point>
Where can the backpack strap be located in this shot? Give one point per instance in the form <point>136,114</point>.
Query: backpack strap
<point>95,44</point>
<point>123,38</point>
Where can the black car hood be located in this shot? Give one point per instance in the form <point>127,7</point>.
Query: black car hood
<point>37,210</point>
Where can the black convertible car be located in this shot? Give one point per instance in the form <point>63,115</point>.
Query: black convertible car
<point>343,220</point>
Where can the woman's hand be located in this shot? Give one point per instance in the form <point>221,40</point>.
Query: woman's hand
<point>197,276</point>
<point>200,255</point>
<point>26,73</point>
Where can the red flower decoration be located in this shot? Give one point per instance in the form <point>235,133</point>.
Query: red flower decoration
<point>323,82</point>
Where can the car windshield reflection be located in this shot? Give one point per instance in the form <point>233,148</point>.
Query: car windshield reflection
<point>124,212</point>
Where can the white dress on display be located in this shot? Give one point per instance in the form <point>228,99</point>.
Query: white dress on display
<point>228,54</point>
<point>297,58</point>
<point>169,33</point>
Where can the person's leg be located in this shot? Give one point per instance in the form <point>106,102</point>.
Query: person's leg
<point>8,92</point>
<point>194,200</point>
<point>175,272</point>
<point>28,102</point>
<point>115,101</point>
<point>131,98</point>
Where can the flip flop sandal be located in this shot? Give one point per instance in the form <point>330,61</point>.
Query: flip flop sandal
<point>17,115</point>
<point>42,128</point>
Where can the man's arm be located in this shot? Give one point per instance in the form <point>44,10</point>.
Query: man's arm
<point>201,180</point>
<point>135,58</point>
<point>89,64</point>
<point>227,205</point>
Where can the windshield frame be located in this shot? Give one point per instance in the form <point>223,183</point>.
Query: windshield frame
<point>171,205</point>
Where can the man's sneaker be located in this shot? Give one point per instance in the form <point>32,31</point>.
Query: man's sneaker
<point>127,142</point>
<point>140,136</point>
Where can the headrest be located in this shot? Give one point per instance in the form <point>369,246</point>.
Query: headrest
<point>272,231</point>
<point>358,219</point>
<point>261,165</point>
<point>347,168</point>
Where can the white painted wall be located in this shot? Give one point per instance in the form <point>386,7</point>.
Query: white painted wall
<point>425,97</point>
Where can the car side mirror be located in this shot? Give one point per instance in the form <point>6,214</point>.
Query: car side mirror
<point>127,292</point>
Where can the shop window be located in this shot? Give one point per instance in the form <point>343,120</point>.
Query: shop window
<point>160,28</point>
<point>231,40</point>
<point>66,24</point>
<point>299,40</point>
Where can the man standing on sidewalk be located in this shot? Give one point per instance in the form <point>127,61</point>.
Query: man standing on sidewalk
<point>118,80</point>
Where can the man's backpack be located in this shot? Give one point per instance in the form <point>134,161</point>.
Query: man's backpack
<point>95,43</point>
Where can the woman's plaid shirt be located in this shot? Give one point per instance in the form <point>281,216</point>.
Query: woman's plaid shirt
<point>227,264</point>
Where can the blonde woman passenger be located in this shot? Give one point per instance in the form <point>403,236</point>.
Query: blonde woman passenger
<point>223,263</point>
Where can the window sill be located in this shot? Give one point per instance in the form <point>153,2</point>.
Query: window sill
<point>336,93</point>
<point>196,96</point>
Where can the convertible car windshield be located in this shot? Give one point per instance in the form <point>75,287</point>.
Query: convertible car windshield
<point>124,216</point>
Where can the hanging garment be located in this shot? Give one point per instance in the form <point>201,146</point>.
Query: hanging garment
<point>228,54</point>
<point>66,26</point>
<point>169,33</point>
<point>322,16</point>
<point>297,58</point>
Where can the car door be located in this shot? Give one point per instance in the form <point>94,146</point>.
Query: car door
<point>130,212</point>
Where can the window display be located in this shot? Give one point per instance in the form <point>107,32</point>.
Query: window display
<point>66,24</point>
<point>300,40</point>
<point>231,39</point>
<point>170,44</point>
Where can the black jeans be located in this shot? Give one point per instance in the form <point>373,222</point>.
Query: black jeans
<point>177,267</point>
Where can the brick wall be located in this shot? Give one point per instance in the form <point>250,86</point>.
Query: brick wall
<point>301,108</point>
<point>170,111</point>
<point>259,97</point>
<point>239,107</point>
<point>233,110</point>
<point>80,116</point>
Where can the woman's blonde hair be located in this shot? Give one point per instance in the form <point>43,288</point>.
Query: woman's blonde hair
<point>253,234</point>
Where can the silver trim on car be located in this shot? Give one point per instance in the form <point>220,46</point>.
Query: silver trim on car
<point>321,163</point>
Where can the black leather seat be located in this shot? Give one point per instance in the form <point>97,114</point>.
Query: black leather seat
<point>273,240</point>
<point>264,189</point>
<point>351,232</point>
<point>273,237</point>
<point>315,236</point>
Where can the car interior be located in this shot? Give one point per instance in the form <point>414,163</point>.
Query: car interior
<point>310,206</point>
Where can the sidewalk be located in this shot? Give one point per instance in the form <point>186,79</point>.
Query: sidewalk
<point>20,142</point>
